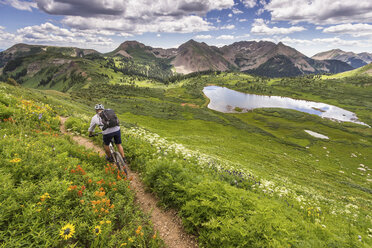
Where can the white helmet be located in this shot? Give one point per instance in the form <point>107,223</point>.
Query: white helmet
<point>99,106</point>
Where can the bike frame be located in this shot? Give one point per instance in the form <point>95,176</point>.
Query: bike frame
<point>120,164</point>
<point>112,149</point>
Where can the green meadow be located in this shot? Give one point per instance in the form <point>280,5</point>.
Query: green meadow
<point>254,179</point>
<point>270,144</point>
<point>55,193</point>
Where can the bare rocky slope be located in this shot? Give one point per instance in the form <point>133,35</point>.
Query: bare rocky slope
<point>353,59</point>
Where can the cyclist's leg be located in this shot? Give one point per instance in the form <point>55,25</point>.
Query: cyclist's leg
<point>106,142</point>
<point>117,139</point>
<point>120,149</point>
<point>107,150</point>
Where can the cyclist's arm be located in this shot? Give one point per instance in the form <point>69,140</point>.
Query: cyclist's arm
<point>93,124</point>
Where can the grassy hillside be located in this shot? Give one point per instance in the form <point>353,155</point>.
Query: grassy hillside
<point>55,193</point>
<point>254,179</point>
<point>63,69</point>
<point>270,145</point>
<point>362,71</point>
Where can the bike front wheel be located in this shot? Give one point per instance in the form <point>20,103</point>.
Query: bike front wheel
<point>120,162</point>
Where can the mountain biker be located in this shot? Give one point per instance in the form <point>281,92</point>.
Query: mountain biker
<point>108,134</point>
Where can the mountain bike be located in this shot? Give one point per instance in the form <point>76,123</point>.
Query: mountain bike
<point>118,160</point>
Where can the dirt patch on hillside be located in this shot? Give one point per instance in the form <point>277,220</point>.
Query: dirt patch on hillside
<point>33,68</point>
<point>166,223</point>
<point>369,72</point>
<point>190,105</point>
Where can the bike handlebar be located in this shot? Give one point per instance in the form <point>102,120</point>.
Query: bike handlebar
<point>95,134</point>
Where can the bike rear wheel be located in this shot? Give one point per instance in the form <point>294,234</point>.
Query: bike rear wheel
<point>120,162</point>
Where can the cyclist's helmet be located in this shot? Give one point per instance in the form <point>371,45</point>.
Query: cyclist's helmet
<point>99,106</point>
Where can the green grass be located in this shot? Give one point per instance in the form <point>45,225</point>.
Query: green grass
<point>272,144</point>
<point>362,71</point>
<point>47,181</point>
<point>269,144</point>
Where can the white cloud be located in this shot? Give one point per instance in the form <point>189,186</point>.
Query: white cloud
<point>164,24</point>
<point>228,27</point>
<point>356,30</point>
<point>260,11</point>
<point>230,15</point>
<point>289,41</point>
<point>201,37</point>
<point>221,44</point>
<point>320,11</point>
<point>123,34</point>
<point>265,39</point>
<point>249,3</point>
<point>136,16</point>
<point>335,41</point>
<point>49,34</point>
<point>316,45</point>
<point>243,20</point>
<point>237,11</point>
<point>225,37</point>
<point>21,5</point>
<point>244,36</point>
<point>132,8</point>
<point>158,35</point>
<point>259,27</point>
<point>321,42</point>
<point>4,36</point>
<point>319,28</point>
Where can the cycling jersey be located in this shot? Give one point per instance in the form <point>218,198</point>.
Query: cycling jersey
<point>96,121</point>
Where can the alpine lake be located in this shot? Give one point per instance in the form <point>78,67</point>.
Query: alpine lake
<point>226,100</point>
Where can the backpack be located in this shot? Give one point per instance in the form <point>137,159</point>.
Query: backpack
<point>109,119</point>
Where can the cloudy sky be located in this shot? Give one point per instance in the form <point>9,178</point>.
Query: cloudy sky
<point>310,26</point>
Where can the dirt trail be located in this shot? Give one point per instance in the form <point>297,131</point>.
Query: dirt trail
<point>166,223</point>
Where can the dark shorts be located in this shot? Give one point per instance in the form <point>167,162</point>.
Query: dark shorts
<point>108,137</point>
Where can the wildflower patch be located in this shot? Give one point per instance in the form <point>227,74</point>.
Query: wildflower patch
<point>49,184</point>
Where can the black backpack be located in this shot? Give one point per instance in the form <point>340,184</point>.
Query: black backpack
<point>109,119</point>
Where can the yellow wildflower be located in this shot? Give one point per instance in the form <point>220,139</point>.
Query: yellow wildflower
<point>15,160</point>
<point>138,231</point>
<point>67,231</point>
<point>97,230</point>
<point>45,196</point>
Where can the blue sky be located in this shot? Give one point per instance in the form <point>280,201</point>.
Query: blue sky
<point>310,26</point>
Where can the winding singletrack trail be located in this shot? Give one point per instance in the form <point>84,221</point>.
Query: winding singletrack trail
<point>166,223</point>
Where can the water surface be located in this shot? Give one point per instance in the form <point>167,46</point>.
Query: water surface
<point>230,101</point>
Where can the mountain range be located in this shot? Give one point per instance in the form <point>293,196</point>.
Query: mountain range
<point>356,60</point>
<point>262,58</point>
